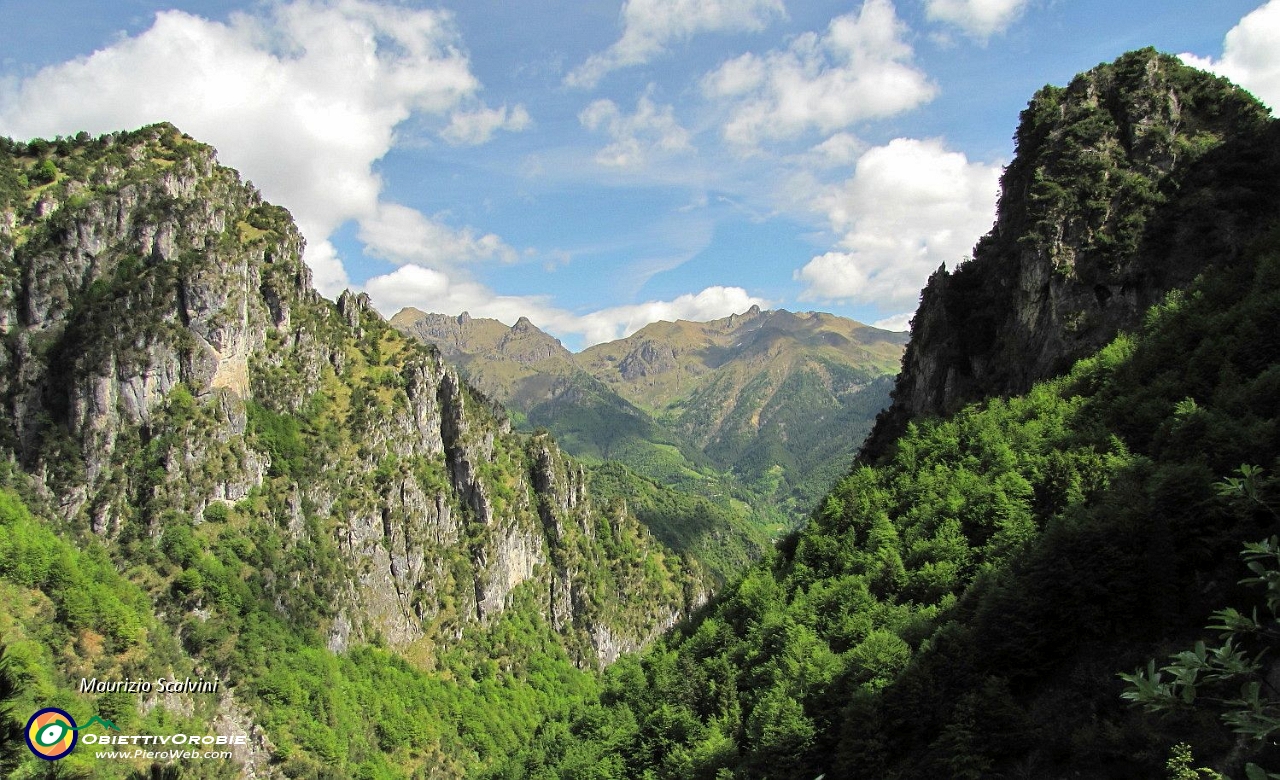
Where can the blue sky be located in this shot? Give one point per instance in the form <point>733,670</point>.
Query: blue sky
<point>597,165</point>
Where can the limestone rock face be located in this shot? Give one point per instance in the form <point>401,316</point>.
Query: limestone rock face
<point>130,287</point>
<point>1105,208</point>
<point>166,361</point>
<point>649,358</point>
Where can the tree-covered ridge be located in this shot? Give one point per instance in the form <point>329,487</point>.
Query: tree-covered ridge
<point>963,606</point>
<point>1124,182</point>
<point>1093,157</point>
<point>712,534</point>
<point>290,496</point>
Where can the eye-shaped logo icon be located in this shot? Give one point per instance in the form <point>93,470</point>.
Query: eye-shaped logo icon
<point>51,734</point>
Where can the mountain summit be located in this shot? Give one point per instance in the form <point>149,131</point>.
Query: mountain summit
<point>1108,205</point>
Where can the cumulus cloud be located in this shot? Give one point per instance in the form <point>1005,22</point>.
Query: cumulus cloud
<point>472,128</point>
<point>909,206</point>
<point>839,150</point>
<point>859,69</point>
<point>650,25</point>
<point>1250,54</point>
<point>621,321</point>
<point>433,290</point>
<point>403,235</point>
<point>302,98</point>
<point>898,322</point>
<point>651,129</point>
<point>976,18</point>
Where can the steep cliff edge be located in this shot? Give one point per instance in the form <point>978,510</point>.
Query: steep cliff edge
<point>173,388</point>
<point>141,267</point>
<point>1118,193</point>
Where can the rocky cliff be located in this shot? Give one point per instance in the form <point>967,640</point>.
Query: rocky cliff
<point>674,490</point>
<point>166,363</point>
<point>1116,195</point>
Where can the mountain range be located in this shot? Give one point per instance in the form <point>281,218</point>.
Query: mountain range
<point>1056,556</point>
<point>768,407</point>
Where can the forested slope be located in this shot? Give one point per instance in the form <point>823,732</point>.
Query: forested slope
<point>962,604</point>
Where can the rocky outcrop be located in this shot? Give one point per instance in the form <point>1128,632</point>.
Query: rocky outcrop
<point>1092,229</point>
<point>167,362</point>
<point>129,287</point>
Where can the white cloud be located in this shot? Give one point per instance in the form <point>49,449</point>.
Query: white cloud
<point>432,290</point>
<point>302,99</point>
<point>839,150</point>
<point>649,25</point>
<point>910,206</point>
<point>976,18</point>
<point>472,128</point>
<point>859,69</point>
<point>741,75</point>
<point>327,271</point>
<point>621,321</point>
<point>403,235</point>
<point>898,322</point>
<point>1250,54</point>
<point>638,136</point>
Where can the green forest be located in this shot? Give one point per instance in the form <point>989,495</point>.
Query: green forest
<point>962,609</point>
<point>992,594</point>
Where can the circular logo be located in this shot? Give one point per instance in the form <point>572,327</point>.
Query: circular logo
<point>51,734</point>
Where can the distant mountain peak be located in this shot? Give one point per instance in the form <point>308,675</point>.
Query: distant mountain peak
<point>411,312</point>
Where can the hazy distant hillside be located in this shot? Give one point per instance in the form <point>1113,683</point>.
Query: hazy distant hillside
<point>783,400</point>
<point>664,362</point>
<point>779,402</point>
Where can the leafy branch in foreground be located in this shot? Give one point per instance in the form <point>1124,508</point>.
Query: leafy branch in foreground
<point>1246,488</point>
<point>1180,766</point>
<point>1208,675</point>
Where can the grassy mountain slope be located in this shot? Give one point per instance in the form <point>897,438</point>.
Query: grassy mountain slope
<point>759,393</point>
<point>962,605</point>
